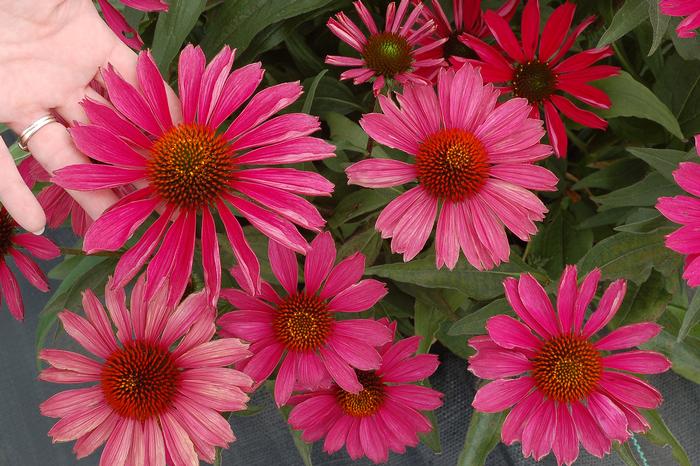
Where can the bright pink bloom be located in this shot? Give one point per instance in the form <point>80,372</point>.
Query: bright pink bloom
<point>468,17</point>
<point>158,387</point>
<point>118,24</point>
<point>686,211</point>
<point>538,75</point>
<point>473,158</point>
<point>385,415</point>
<point>396,53</point>
<point>564,386</point>
<point>689,8</point>
<point>38,246</point>
<point>300,328</point>
<point>55,201</point>
<point>185,168</point>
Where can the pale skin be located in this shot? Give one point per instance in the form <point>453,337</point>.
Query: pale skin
<point>50,51</point>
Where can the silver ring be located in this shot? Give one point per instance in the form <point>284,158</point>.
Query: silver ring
<point>33,129</point>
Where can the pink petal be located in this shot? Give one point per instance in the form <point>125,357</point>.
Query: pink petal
<point>286,378</point>
<point>340,371</point>
<point>119,26</point>
<point>510,333</point>
<point>68,402</point>
<point>213,81</point>
<point>630,390</point>
<point>358,297</point>
<point>69,361</point>
<point>153,88</point>
<point>555,129</point>
<point>190,72</point>
<point>91,177</point>
<point>413,369</point>
<point>380,173</point>
<point>355,352</point>
<point>129,102</point>
<point>263,105</point>
<point>284,265</point>
<point>84,333</point>
<point>319,261</point>
<point>263,362</point>
<point>628,336</point>
<point>610,418</point>
<point>501,394</point>
<point>608,306</point>
<point>30,270</point>
<point>347,272</point>
<point>586,294</point>
<point>178,445</point>
<point>566,298</point>
<point>222,352</point>
<point>247,260</point>
<point>211,260</point>
<point>565,445</point>
<point>39,246</point>
<point>295,150</point>
<point>515,421</point>
<point>643,362</point>
<point>589,432</point>
<point>239,86</point>
<point>540,430</point>
<point>289,179</point>
<point>118,444</point>
<point>103,145</point>
<point>537,302</point>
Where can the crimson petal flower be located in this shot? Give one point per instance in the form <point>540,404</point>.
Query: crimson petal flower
<point>118,24</point>
<point>573,389</point>
<point>385,415</point>
<point>686,211</point>
<point>10,242</point>
<point>473,158</point>
<point>393,53</point>
<point>689,8</point>
<point>55,201</point>
<point>299,327</point>
<point>537,75</point>
<point>158,387</point>
<point>184,168</point>
<point>468,17</point>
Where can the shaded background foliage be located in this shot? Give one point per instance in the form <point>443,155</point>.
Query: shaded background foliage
<point>602,215</point>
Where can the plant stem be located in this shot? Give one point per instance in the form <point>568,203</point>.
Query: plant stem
<point>80,252</point>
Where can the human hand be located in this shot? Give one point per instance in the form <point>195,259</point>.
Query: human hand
<point>50,51</point>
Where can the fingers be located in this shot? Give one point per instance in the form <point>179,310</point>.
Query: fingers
<point>53,148</point>
<point>72,111</point>
<point>16,197</point>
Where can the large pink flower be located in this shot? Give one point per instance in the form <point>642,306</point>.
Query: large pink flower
<point>686,211</point>
<point>184,169</point>
<point>689,8</point>
<point>300,328</point>
<point>385,415</point>
<point>393,53</point>
<point>118,24</point>
<point>538,75</point>
<point>55,201</point>
<point>473,158</point>
<point>564,386</point>
<point>158,388</point>
<point>10,241</point>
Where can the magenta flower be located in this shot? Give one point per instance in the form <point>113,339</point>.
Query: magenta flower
<point>300,329</point>
<point>157,389</point>
<point>385,415</point>
<point>689,8</point>
<point>38,246</point>
<point>118,24</point>
<point>686,211</point>
<point>393,53</point>
<point>473,158</point>
<point>55,201</point>
<point>468,17</point>
<point>565,387</point>
<point>185,169</point>
<point>538,75</point>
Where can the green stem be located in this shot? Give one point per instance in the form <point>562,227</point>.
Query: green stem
<point>625,62</point>
<point>577,141</point>
<point>80,252</point>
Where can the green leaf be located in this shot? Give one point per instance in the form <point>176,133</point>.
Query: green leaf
<point>631,15</point>
<point>427,320</point>
<point>644,303</point>
<point>665,161</point>
<point>619,173</point>
<point>642,194</point>
<point>660,434</point>
<point>653,223</point>
<point>173,28</point>
<point>626,454</point>
<point>684,355</point>
<point>366,241</point>
<point>631,98</point>
<point>630,256</point>
<point>311,93</point>
<point>483,435</point>
<point>474,323</point>
<point>236,22</point>
<point>304,57</point>
<point>480,285</point>
<point>679,87</point>
<point>17,154</point>
<point>217,456</point>
<point>659,23</point>
<point>92,273</point>
<point>345,131</point>
<point>359,203</point>
<point>691,317</point>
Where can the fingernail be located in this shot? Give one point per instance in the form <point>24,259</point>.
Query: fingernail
<point>39,232</point>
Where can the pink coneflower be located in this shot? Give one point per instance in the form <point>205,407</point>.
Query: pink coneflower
<point>184,169</point>
<point>158,388</point>
<point>38,246</point>
<point>300,329</point>
<point>393,53</point>
<point>573,389</point>
<point>118,24</point>
<point>689,8</point>
<point>385,415</point>
<point>55,201</point>
<point>686,211</point>
<point>538,75</point>
<point>473,158</point>
<point>468,17</point>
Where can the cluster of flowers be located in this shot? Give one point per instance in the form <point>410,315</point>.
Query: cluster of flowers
<point>161,383</point>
